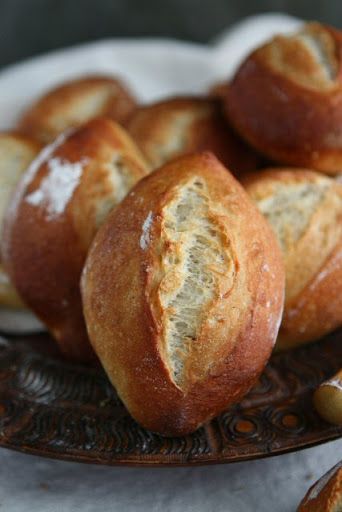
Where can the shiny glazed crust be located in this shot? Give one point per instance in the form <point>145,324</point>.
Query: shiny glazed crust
<point>73,103</point>
<point>286,99</point>
<point>178,126</point>
<point>16,153</point>
<point>313,257</point>
<point>326,494</point>
<point>58,206</point>
<point>144,272</point>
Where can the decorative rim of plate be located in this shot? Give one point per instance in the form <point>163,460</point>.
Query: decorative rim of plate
<point>55,409</point>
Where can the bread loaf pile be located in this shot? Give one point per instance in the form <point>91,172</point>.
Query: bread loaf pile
<point>169,241</point>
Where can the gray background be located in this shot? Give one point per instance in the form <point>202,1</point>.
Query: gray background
<point>276,484</point>
<point>29,27</point>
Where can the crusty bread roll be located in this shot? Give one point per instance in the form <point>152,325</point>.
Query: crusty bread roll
<point>328,399</point>
<point>286,99</point>
<point>305,211</point>
<point>218,90</point>
<point>326,494</point>
<point>58,206</point>
<point>16,153</point>
<point>177,126</point>
<point>183,294</point>
<point>73,103</point>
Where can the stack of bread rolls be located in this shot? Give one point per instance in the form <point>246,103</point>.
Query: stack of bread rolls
<point>150,236</point>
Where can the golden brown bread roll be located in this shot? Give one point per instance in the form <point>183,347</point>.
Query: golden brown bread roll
<point>183,293</point>
<point>305,211</point>
<point>286,99</point>
<point>326,494</point>
<point>58,206</point>
<point>16,153</point>
<point>218,90</point>
<point>178,126</point>
<point>328,399</point>
<point>73,103</point>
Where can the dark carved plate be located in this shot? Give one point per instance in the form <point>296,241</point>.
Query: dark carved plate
<point>52,408</point>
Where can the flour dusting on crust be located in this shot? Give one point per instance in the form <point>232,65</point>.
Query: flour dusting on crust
<point>145,236</point>
<point>335,382</point>
<point>57,188</point>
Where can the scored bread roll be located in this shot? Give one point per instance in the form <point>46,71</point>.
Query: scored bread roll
<point>74,103</point>
<point>178,126</point>
<point>183,293</point>
<point>326,494</point>
<point>328,399</point>
<point>304,209</point>
<point>16,153</point>
<point>286,98</point>
<point>58,206</point>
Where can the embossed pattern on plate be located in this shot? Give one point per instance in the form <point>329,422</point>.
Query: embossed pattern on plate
<point>56,409</point>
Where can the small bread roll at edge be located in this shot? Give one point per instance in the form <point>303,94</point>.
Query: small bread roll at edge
<point>16,154</point>
<point>73,103</point>
<point>304,209</point>
<point>326,494</point>
<point>183,294</point>
<point>328,399</point>
<point>286,99</point>
<point>58,206</point>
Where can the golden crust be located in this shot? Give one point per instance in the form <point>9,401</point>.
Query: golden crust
<point>328,399</point>
<point>129,272</point>
<point>16,153</point>
<point>313,259</point>
<point>73,103</point>
<point>286,99</point>
<point>58,206</point>
<point>218,90</point>
<point>326,494</point>
<point>183,125</point>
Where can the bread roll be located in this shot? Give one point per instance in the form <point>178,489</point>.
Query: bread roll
<point>328,399</point>
<point>183,293</point>
<point>177,126</point>
<point>286,99</point>
<point>16,153</point>
<point>326,494</point>
<point>218,90</point>
<point>305,211</point>
<point>73,103</point>
<point>60,203</point>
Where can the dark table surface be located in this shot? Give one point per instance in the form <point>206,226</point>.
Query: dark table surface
<point>30,27</point>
